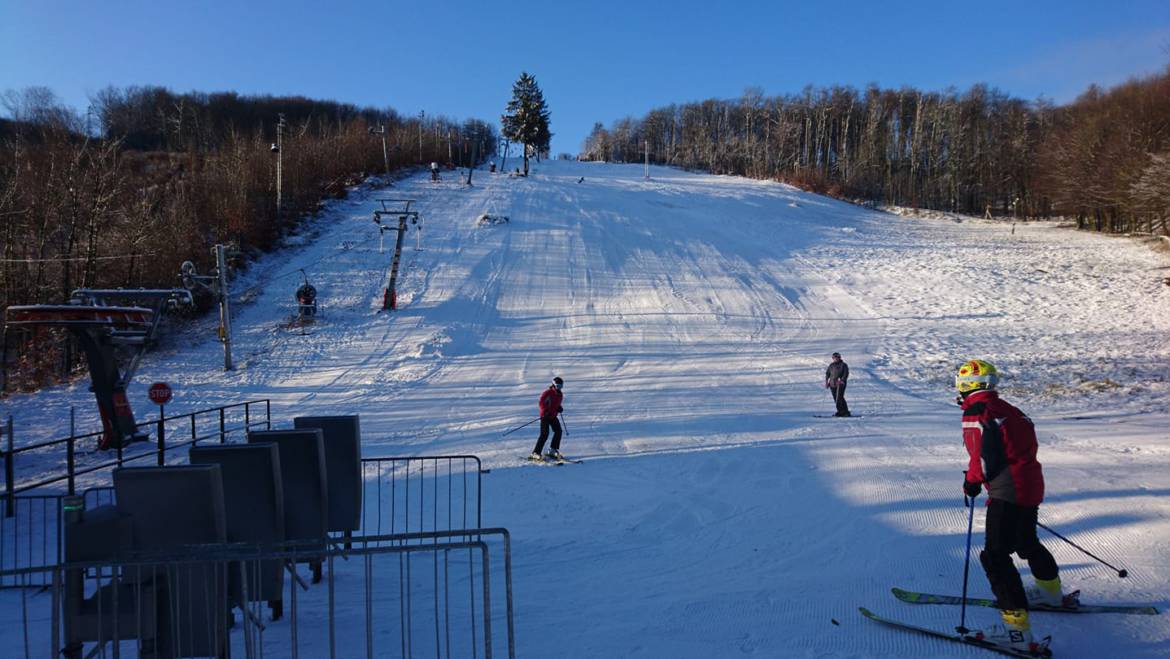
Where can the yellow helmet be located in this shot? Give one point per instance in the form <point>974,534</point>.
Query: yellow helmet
<point>976,374</point>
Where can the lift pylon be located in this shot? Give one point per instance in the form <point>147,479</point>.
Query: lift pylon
<point>114,337</point>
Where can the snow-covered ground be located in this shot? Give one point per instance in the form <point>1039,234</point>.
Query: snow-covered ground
<point>692,317</point>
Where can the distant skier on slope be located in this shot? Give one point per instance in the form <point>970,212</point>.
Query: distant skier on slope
<point>550,407</point>
<point>836,376</point>
<point>1001,443</point>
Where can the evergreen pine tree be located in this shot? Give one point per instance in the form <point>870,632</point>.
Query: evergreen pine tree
<point>526,119</point>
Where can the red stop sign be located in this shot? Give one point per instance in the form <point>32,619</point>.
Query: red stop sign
<point>160,393</point>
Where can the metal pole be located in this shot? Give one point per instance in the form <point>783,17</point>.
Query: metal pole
<point>385,154</point>
<point>392,291</point>
<point>73,592</point>
<point>646,143</point>
<point>421,115</point>
<point>519,427</point>
<point>279,162</point>
<point>4,359</point>
<point>225,314</point>
<point>70,463</point>
<point>70,448</point>
<point>162,437</point>
<point>474,157</point>
<point>9,474</point>
<point>962,628</point>
<point>1123,573</point>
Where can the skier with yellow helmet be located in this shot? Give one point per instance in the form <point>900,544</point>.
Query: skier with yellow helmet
<point>1001,445</point>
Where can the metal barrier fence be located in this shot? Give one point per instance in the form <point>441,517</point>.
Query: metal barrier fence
<point>217,422</point>
<point>421,493</point>
<point>31,537</point>
<point>177,604</point>
<point>401,495</point>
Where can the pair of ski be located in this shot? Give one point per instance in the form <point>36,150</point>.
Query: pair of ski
<point>553,462</point>
<point>1042,651</point>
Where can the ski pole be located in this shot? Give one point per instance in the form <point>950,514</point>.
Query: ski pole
<point>970,503</point>
<point>1120,573</point>
<point>519,427</point>
<point>565,423</point>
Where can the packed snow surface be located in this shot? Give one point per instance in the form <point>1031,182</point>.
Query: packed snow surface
<point>718,512</point>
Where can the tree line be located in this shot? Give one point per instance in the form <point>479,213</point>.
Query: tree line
<point>148,178</point>
<point>1103,159</point>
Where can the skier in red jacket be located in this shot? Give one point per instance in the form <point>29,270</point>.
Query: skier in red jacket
<point>550,407</point>
<point>1001,445</point>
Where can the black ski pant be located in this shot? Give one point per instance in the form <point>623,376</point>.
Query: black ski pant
<point>1012,529</point>
<point>546,423</point>
<point>839,398</point>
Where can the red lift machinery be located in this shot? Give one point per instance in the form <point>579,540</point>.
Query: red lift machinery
<point>114,327</point>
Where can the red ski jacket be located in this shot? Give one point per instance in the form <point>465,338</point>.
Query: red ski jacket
<point>550,403</point>
<point>1001,442</point>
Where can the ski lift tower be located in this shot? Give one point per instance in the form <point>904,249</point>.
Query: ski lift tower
<point>381,130</point>
<point>403,213</point>
<point>114,328</point>
<point>216,283</point>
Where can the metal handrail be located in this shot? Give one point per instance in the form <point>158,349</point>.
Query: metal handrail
<point>11,489</point>
<point>140,425</point>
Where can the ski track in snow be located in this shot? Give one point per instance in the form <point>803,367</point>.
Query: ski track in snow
<point>692,317</point>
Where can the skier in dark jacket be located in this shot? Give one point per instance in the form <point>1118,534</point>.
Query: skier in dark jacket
<point>550,407</point>
<point>836,376</point>
<point>1001,447</point>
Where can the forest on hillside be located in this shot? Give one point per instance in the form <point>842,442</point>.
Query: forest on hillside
<point>1103,159</point>
<point>148,178</point>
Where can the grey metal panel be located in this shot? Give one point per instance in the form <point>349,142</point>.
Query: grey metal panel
<point>254,502</point>
<point>252,488</point>
<point>343,466</point>
<point>103,533</point>
<point>172,506</point>
<point>302,474</point>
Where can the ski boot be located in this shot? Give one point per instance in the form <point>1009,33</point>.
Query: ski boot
<point>1046,594</point>
<point>535,457</point>
<point>1015,633</point>
<point>554,455</point>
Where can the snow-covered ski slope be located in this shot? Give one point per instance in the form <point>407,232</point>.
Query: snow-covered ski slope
<point>692,317</point>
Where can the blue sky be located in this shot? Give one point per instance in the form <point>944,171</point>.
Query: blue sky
<point>596,61</point>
